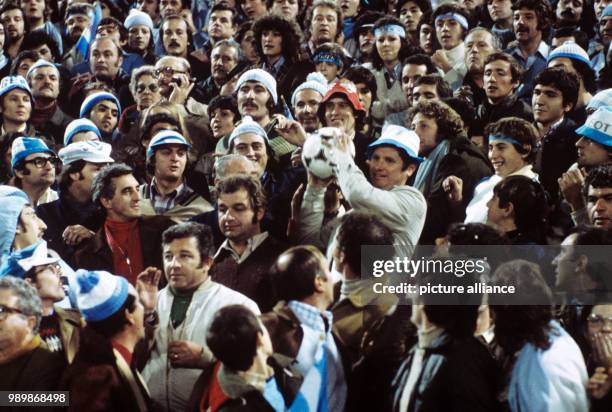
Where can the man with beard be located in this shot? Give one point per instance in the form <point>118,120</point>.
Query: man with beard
<point>177,39</point>
<point>33,166</point>
<point>306,99</point>
<point>363,41</point>
<point>13,19</point>
<point>569,12</point>
<point>324,23</point>
<point>225,56</point>
<point>479,44</point>
<point>168,193</point>
<point>532,22</point>
<point>78,18</point>
<point>176,84</point>
<point>597,193</point>
<point>34,12</point>
<point>127,242</point>
<point>44,80</point>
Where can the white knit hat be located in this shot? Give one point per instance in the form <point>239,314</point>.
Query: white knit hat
<point>138,18</point>
<point>570,50</point>
<point>261,76</point>
<point>603,98</point>
<point>247,125</point>
<point>100,294</point>
<point>314,81</point>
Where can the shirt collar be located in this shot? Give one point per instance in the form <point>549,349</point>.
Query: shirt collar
<point>252,244</point>
<point>176,192</point>
<point>543,49</point>
<point>311,316</point>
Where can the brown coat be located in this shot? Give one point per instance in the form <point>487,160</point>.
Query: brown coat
<point>71,322</point>
<point>284,328</point>
<point>95,254</point>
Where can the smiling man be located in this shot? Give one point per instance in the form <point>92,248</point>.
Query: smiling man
<point>126,243</point>
<point>168,193</point>
<point>243,260</point>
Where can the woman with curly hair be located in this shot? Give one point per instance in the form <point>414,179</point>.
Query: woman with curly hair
<point>447,151</point>
<point>277,42</point>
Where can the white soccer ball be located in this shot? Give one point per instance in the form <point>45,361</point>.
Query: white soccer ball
<point>317,152</point>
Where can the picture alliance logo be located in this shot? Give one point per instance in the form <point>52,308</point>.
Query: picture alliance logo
<point>413,267</point>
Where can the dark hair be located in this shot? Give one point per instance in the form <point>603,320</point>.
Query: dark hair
<point>225,6</point>
<point>78,8</point>
<point>289,31</point>
<point>115,323</point>
<point>406,49</point>
<point>363,229</point>
<point>518,129</point>
<point>359,114</point>
<point>65,181</point>
<point>529,201</point>
<point>406,159</point>
<point>242,29</point>
<point>598,264</point>
<point>586,73</point>
<point>427,19</point>
<point>38,38</point>
<point>448,121</point>
<point>580,37</point>
<point>442,87</point>
<point>153,119</point>
<point>424,5</point>
<point>359,74</point>
<point>542,10</point>
<point>516,69</point>
<point>453,8</point>
<point>368,17</point>
<point>223,102</point>
<point>26,54</point>
<point>187,28</point>
<point>294,272</point>
<point>421,59</point>
<point>112,21</point>
<point>232,336</point>
<point>200,232</point>
<point>234,183</point>
<point>469,239</point>
<point>598,177</point>
<point>529,321</point>
<point>103,185</point>
<point>567,83</point>
<point>323,3</point>
<point>455,313</point>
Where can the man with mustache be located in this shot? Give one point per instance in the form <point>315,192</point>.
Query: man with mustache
<point>177,40</point>
<point>127,242</point>
<point>597,193</point>
<point>78,18</point>
<point>531,22</point>
<point>225,56</point>
<point>569,12</point>
<point>13,19</point>
<point>168,194</point>
<point>362,45</point>
<point>47,117</point>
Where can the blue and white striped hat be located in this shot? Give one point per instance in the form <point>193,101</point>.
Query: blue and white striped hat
<point>100,294</point>
<point>24,146</point>
<point>261,76</point>
<point>598,126</point>
<point>400,137</point>
<point>9,83</point>
<point>247,125</point>
<point>96,98</point>
<point>164,137</point>
<point>570,50</point>
<point>78,126</point>
<point>601,99</point>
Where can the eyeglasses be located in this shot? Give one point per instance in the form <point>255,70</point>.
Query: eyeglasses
<point>599,321</point>
<point>55,268</point>
<point>151,86</point>
<point>6,310</point>
<point>41,161</point>
<point>168,71</point>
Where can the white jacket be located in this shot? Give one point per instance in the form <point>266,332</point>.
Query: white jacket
<point>171,387</point>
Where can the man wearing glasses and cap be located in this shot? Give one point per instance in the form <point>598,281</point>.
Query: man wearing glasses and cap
<point>33,165</point>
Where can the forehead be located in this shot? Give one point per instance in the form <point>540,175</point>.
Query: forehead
<point>139,27</point>
<point>104,44</point>
<point>121,182</point>
<point>561,62</point>
<point>170,62</point>
<point>547,87</point>
<point>252,85</point>
<point>426,87</point>
<point>189,243</point>
<point>106,104</point>
<point>175,24</point>
<point>222,13</point>
<point>498,64</point>
<point>45,70</point>
<point>337,100</point>
<point>602,310</point>
<point>599,191</point>
<point>7,298</point>
<point>248,138</point>
<point>34,156</point>
<point>146,78</point>
<point>523,11</point>
<point>224,50</point>
<point>77,16</point>
<point>479,35</point>
<point>308,94</point>
<point>323,11</point>
<point>12,13</point>
<point>411,69</point>
<point>387,151</point>
<point>17,92</point>
<point>240,196</point>
<point>420,117</point>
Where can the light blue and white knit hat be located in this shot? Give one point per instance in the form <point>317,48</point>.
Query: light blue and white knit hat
<point>12,202</point>
<point>138,18</point>
<point>24,146</point>
<point>247,125</point>
<point>314,81</point>
<point>79,126</point>
<point>100,294</point>
<point>570,50</point>
<point>261,76</point>
<point>164,137</point>
<point>96,98</point>
<point>598,126</point>
<point>9,83</point>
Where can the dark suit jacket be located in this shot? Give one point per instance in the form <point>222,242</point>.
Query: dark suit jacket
<point>95,254</point>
